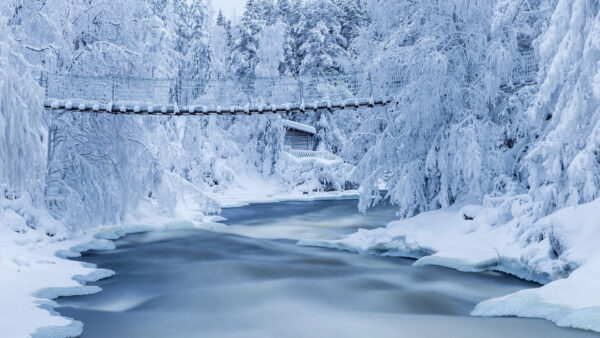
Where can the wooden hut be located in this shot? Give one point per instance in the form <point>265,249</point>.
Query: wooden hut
<point>299,136</point>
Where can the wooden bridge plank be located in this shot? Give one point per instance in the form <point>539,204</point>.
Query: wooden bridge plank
<point>170,110</point>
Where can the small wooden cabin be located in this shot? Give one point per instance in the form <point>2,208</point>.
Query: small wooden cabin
<point>299,136</point>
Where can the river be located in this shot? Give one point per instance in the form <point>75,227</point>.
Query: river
<point>250,279</point>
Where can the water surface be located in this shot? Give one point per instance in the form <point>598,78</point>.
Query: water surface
<point>252,280</point>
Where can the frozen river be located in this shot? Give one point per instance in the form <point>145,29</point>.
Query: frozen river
<point>250,279</point>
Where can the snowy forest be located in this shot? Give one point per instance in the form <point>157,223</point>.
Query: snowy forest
<point>489,151</point>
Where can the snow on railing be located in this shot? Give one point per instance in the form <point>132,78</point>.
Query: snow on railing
<point>525,68</point>
<point>313,154</point>
<point>261,92</point>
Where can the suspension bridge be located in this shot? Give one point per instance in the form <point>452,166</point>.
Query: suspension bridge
<point>125,95</point>
<point>122,95</point>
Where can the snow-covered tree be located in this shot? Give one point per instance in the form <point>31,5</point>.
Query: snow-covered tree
<point>23,135</point>
<point>290,14</point>
<point>438,144</point>
<point>243,59</point>
<point>270,50</point>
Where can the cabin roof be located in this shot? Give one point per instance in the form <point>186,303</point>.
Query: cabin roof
<point>299,126</point>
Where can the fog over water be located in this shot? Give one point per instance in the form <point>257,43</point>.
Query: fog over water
<point>197,283</point>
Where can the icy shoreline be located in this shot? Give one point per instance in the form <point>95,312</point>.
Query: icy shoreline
<point>452,239</point>
<point>442,237</point>
<point>32,280</point>
<point>47,274</point>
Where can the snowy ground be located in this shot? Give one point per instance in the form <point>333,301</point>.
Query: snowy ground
<point>463,238</point>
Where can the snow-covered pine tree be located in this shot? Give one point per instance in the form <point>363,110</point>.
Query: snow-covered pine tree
<point>267,10</point>
<point>221,20</point>
<point>243,59</point>
<point>199,51</point>
<point>322,44</point>
<point>159,7</point>
<point>353,17</point>
<point>290,14</point>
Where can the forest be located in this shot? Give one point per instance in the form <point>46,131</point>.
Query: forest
<point>489,152</point>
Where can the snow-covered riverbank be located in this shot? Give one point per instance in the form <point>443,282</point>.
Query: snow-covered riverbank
<point>35,267</point>
<point>35,270</point>
<point>560,251</point>
<point>447,237</point>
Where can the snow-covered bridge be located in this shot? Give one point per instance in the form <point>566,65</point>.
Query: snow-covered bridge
<point>216,96</point>
<point>125,95</point>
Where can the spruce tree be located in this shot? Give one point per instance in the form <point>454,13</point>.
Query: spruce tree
<point>321,41</point>
<point>198,57</point>
<point>352,16</point>
<point>243,60</point>
<point>221,21</point>
<point>291,16</point>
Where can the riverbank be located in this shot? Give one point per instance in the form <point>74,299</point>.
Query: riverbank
<point>246,279</point>
<point>36,270</point>
<point>559,250</point>
<point>35,274</point>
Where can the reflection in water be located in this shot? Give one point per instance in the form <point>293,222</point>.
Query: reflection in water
<point>209,284</point>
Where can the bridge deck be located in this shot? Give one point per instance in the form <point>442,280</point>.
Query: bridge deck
<point>206,110</point>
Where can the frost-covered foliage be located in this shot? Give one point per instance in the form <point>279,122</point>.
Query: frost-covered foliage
<point>23,136</point>
<point>456,129</point>
<point>564,162</point>
<point>439,139</point>
<point>307,175</point>
<point>110,38</point>
<point>90,159</point>
<point>499,106</point>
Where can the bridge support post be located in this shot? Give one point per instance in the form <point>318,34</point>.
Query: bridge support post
<point>370,80</point>
<point>177,91</point>
<point>248,99</point>
<point>44,83</point>
<point>301,90</point>
<point>112,89</point>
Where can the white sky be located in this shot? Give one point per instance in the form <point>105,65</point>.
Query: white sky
<point>231,8</point>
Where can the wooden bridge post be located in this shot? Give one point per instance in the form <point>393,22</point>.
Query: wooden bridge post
<point>370,80</point>
<point>112,91</point>
<point>248,98</point>
<point>177,91</point>
<point>44,83</point>
<point>301,90</point>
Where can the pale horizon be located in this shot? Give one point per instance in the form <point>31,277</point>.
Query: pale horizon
<point>231,8</point>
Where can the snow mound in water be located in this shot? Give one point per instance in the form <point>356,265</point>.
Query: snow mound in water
<point>73,329</point>
<point>570,302</point>
<point>53,293</point>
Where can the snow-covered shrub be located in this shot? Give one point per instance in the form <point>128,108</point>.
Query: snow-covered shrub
<point>307,175</point>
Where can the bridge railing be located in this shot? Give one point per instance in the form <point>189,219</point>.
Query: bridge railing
<point>218,92</point>
<point>526,67</point>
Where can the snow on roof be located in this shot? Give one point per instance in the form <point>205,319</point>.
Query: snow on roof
<point>299,126</point>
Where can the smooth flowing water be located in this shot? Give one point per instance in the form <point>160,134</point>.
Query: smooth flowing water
<point>250,279</point>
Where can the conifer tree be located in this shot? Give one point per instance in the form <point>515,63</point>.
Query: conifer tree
<point>243,59</point>
<point>322,43</point>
